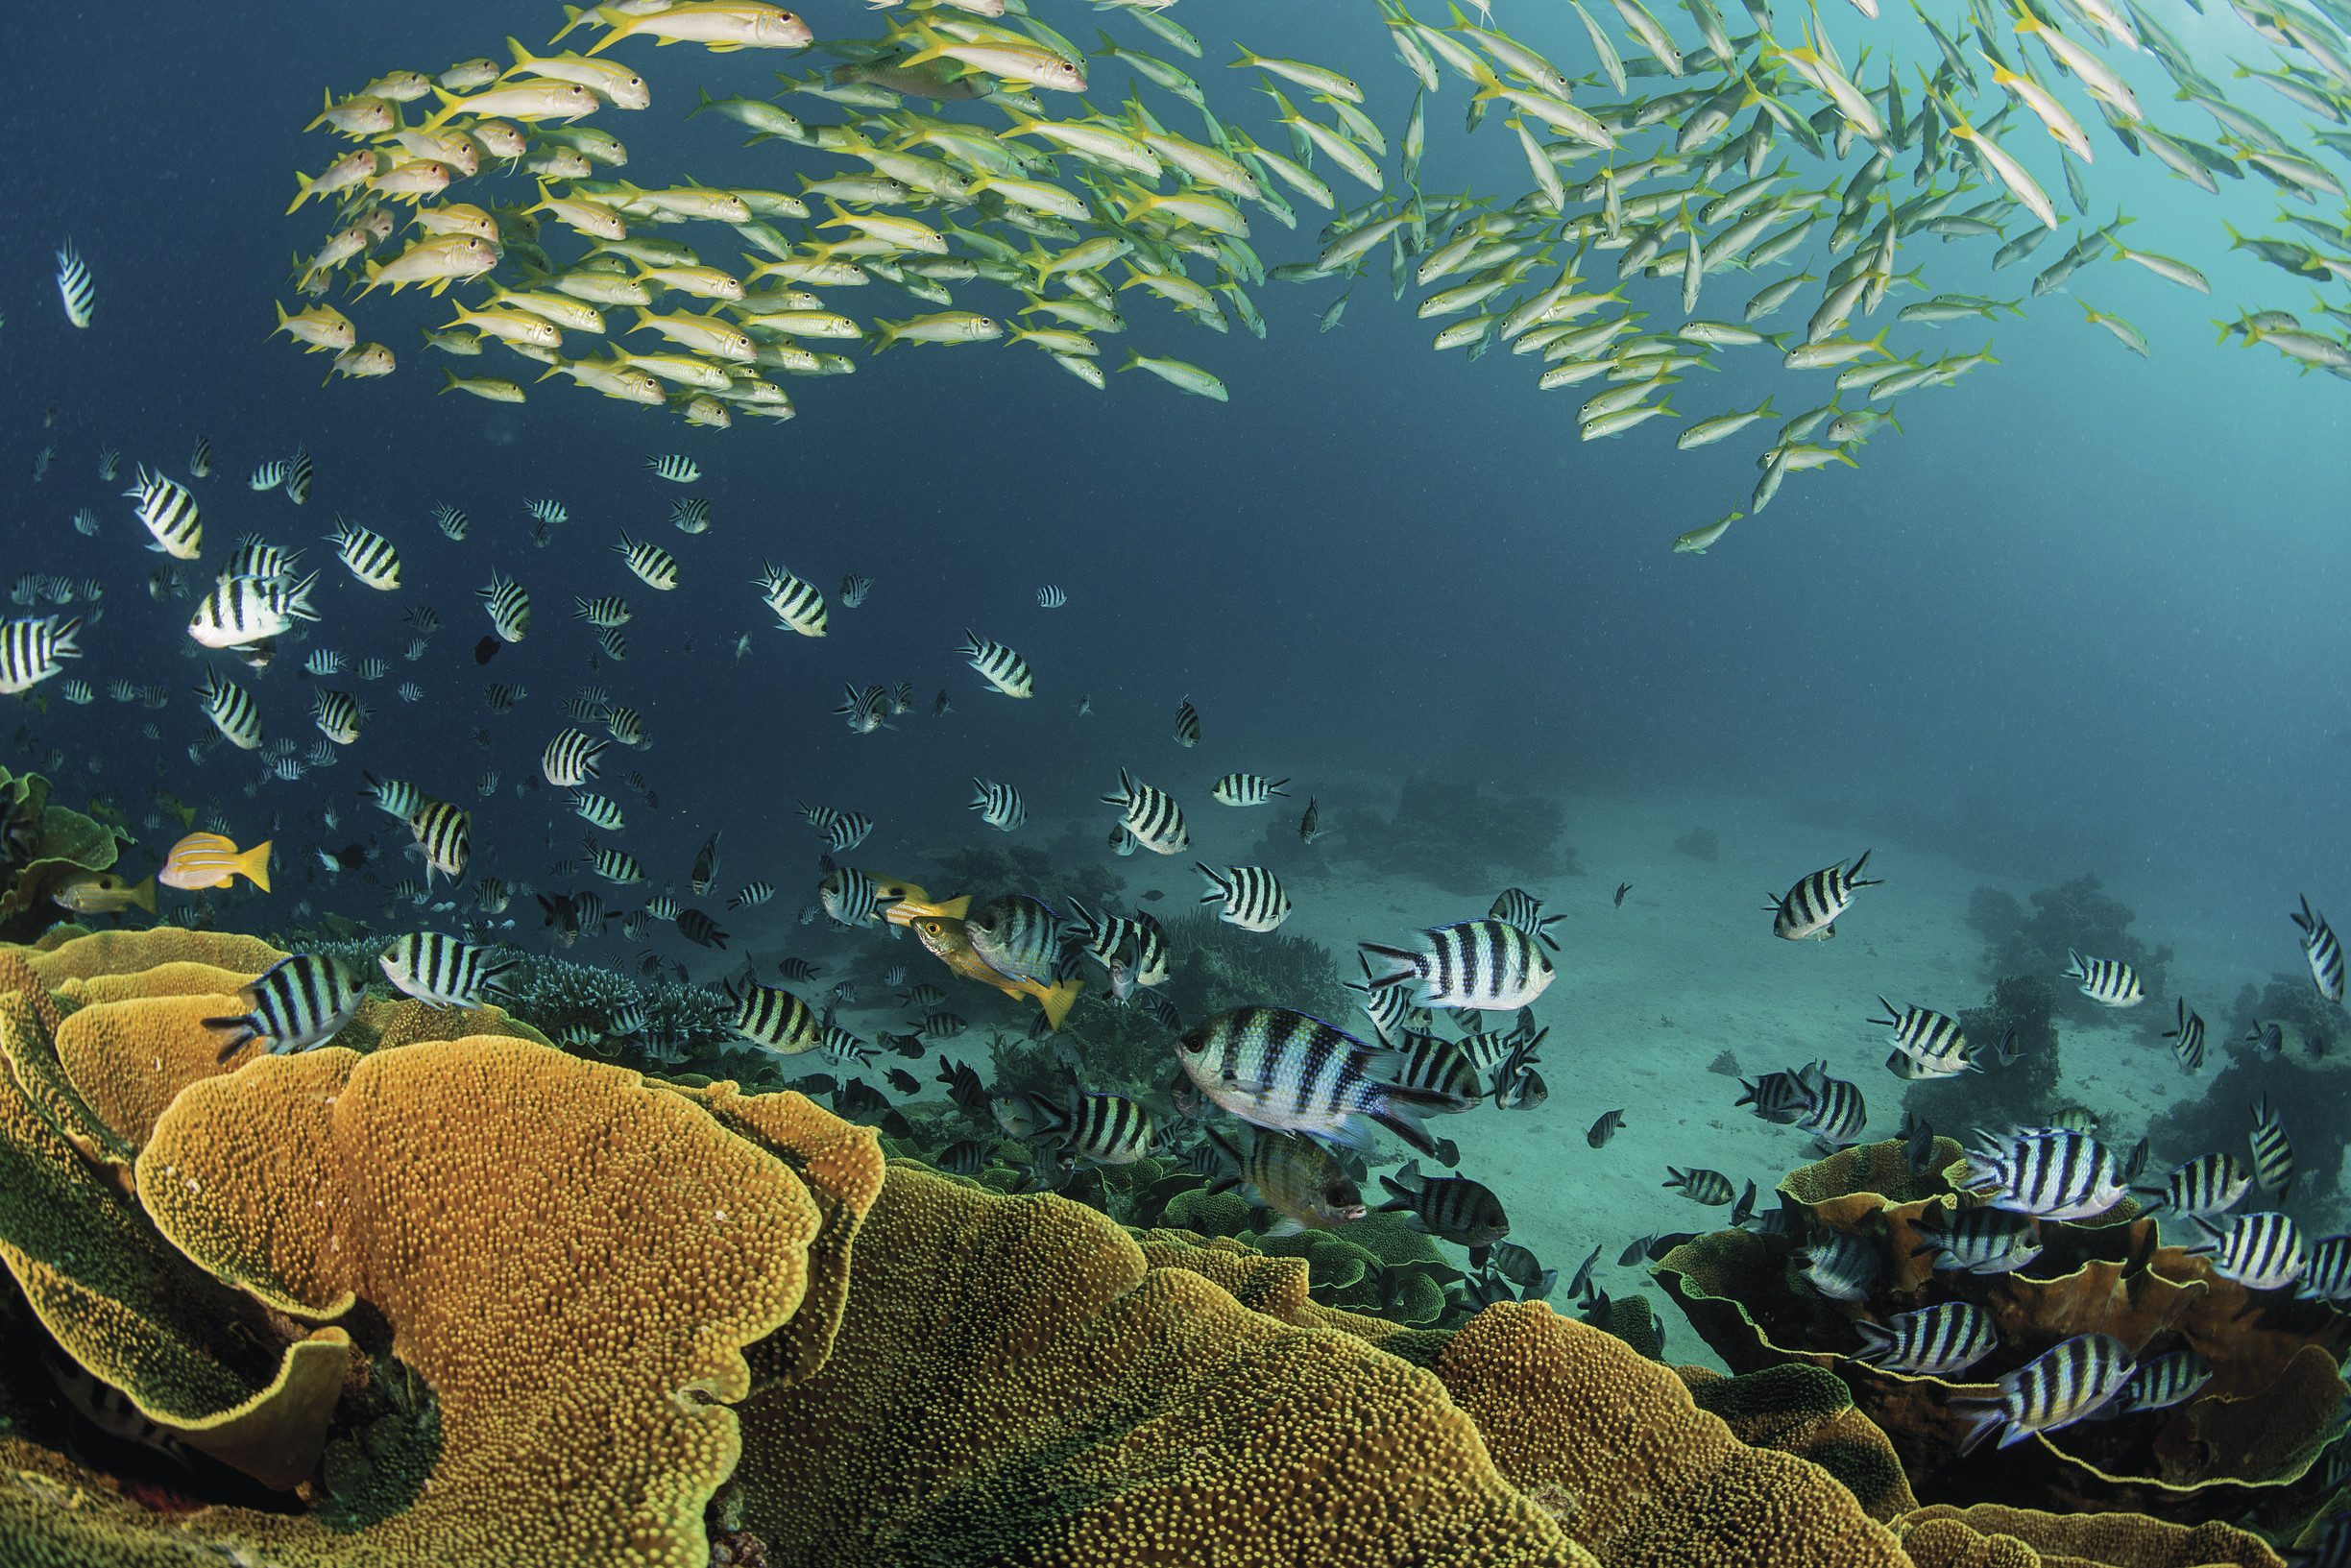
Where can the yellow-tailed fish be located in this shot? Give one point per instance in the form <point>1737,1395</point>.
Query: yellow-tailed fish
<point>103,893</point>
<point>211,859</point>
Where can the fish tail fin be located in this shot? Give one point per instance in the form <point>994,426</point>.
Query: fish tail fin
<point>255,864</point>
<point>1287,1227</point>
<point>449,103</point>
<point>574,15</point>
<point>303,182</point>
<point>1403,966</point>
<point>1060,1000</point>
<point>143,895</point>
<point>449,380</point>
<point>1135,357</point>
<point>373,271</point>
<point>956,908</point>
<point>522,57</point>
<point>1978,1419</point>
<point>618,26</point>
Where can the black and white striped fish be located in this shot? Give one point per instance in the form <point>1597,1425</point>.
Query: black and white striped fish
<point>2205,1185</point>
<point>1050,597</point>
<point>374,669</point>
<point>676,468</point>
<point>2274,1156</point>
<point>231,709</point>
<point>1708,1187</point>
<point>1933,1343</point>
<point>2055,1390</point>
<point>1391,1008</point>
<point>339,716</point>
<point>1187,723</point>
<point>851,896</point>
<point>2110,982</point>
<point>854,591</point>
<point>451,522</point>
<point>1811,908</point>
<point>443,972</point>
<point>170,514</point>
<point>254,557</point>
<point>368,554</point>
<point>1931,1043</point>
<point>240,611</point>
<point>1292,1073</point>
<point>1248,789</point>
<point>301,475</point>
<point>844,830</point>
<point>1109,1129</point>
<point>1450,1208</point>
<point>2324,952</point>
<point>2261,1251</point>
<point>797,604</point>
<point>2328,1278</point>
<point>2046,1172</point>
<point>1834,1111</point>
<point>998,805</point>
<point>1153,959</point>
<point>509,607</point>
<point>297,1003</point>
<point>610,610</point>
<point>499,698</point>
<point>571,759</point>
<point>550,512</point>
<point>1310,826</point>
<point>268,477</point>
<point>1517,906</point>
<point>109,461</point>
<point>1840,1265</point>
<point>654,567</point>
<point>901,697</point>
<point>1435,1064</point>
<point>2163,1382</point>
<point>1252,897</point>
<point>2188,1048</point>
<point>600,810</point>
<point>998,665</point>
<point>74,286</point>
<point>1487,964</point>
<point>200,460</point>
<point>29,650</point>
<point>616,866</point>
<point>397,796</point>
<point>777,1020</point>
<point>446,836</point>
<point>751,895</point>
<point>1982,1240</point>
<point>1151,815</point>
<point>690,515</point>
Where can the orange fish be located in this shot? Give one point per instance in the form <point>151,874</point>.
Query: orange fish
<point>949,942</point>
<point>210,860</point>
<point>903,903</point>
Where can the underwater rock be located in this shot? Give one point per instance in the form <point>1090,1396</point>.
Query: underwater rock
<point>1449,833</point>
<point>2076,917</point>
<point>2313,1098</point>
<point>2024,1093</point>
<point>1699,844</point>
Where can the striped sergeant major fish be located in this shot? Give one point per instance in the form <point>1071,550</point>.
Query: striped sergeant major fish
<point>1050,597</point>
<point>30,651</point>
<point>2328,1278</point>
<point>200,459</point>
<point>1153,962</point>
<point>844,830</point>
<point>1982,1240</point>
<point>798,605</point>
<point>751,896</point>
<point>776,1020</point>
<point>1391,1010</point>
<point>2261,1251</point>
<point>1151,815</point>
<point>443,837</point>
<point>2205,1185</point>
<point>1252,897</point>
<point>1517,906</point>
<point>170,514</point>
<point>549,510</point>
<point>1187,723</point>
<point>1450,1208</point>
<point>2323,951</point>
<point>599,810</point>
<point>1109,1129</point>
<point>618,866</point>
<point>268,476</point>
<point>338,715</point>
<point>1248,789</point>
<point>1292,1073</point>
<point>112,1411</point>
<point>998,665</point>
<point>1707,1187</point>
<point>2273,1157</point>
<point>690,515</point>
<point>368,554</point>
<point>1840,1265</point>
<point>397,796</point>
<point>1934,1343</point>
<point>998,805</point>
<point>676,468</point>
<point>2110,982</point>
<point>655,567</point>
<point>1487,964</point>
<point>231,709</point>
<point>297,1003</point>
<point>451,522</point>
<point>2165,1382</point>
<point>854,591</point>
<point>2055,1390</point>
<point>571,759</point>
<point>2046,1172</point>
<point>1811,908</point>
<point>253,557</point>
<point>79,295</point>
<point>706,866</point>
<point>608,611</point>
<point>443,972</point>
<point>299,475</point>
<point>1434,1065</point>
<point>867,710</point>
<point>852,897</point>
<point>1835,1112</point>
<point>2189,1039</point>
<point>509,607</point>
<point>1932,1042</point>
<point>1101,937</point>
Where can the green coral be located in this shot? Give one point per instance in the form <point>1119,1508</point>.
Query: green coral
<point>41,846</point>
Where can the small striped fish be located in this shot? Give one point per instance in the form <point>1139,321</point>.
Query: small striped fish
<point>2046,1171</point>
<point>397,796</point>
<point>1109,1129</point>
<point>268,477</point>
<point>374,669</point>
<point>600,810</point>
<point>297,1003</point>
<point>1434,1065</point>
<point>2110,982</point>
<point>254,557</point>
<point>654,567</point>
<point>1187,723</point>
<point>1485,964</point>
<point>200,460</point>
<point>751,896</point>
<point>441,971</point>
<point>1253,899</point>
<point>301,475</point>
<point>1151,958</point>
<point>851,896</point>
<point>1295,1177</point>
<point>499,698</point>
<point>1451,1207</point>
<point>2205,1185</point>
<point>509,607</point>
<point>676,468</point>
<point>1812,908</point>
<point>85,522</point>
<point>231,709</point>
<point>1391,1008</point>
<point>1248,788</point>
<point>30,651</point>
<point>690,515</point>
<point>1100,937</point>
<point>571,759</point>
<point>844,830</point>
<point>451,522</point>
<point>1982,1240</point>
<point>446,836</point>
<point>999,665</point>
<point>2273,1158</point>
<point>777,1021</point>
<point>2188,1050</point>
<point>109,461</point>
<point>324,661</point>
<point>170,514</point>
<point>854,591</point>
<point>998,805</point>
<point>410,692</point>
<point>339,716</point>
<point>2055,1390</point>
<point>79,693</point>
<point>2323,951</point>
<point>1292,1073</point>
<point>239,611</point>
<point>74,286</point>
<point>1517,906</point>
<point>626,725</point>
<point>2328,1278</point>
<point>368,554</point>
<point>1840,1266</point>
<point>1708,1187</point>
<point>616,866</point>
<point>487,784</point>
<point>1834,1111</point>
<point>2163,1382</point>
<point>1936,1342</point>
<point>608,611</point>
<point>2261,1251</point>
<point>1152,816</point>
<point>1050,597</point>
<point>1932,1042</point>
<point>797,604</point>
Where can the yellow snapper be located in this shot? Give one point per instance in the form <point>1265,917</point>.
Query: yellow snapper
<point>103,893</point>
<point>211,861</point>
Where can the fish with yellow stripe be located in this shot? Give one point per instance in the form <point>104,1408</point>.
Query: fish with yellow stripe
<point>213,861</point>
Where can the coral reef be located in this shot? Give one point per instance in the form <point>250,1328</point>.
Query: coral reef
<point>2023,1093</point>
<point>2074,917</point>
<point>2250,1439</point>
<point>2313,1097</point>
<point>1699,844</point>
<point>1988,1535</point>
<point>41,846</point>
<point>1216,966</point>
<point>2311,1023</point>
<point>1449,833</point>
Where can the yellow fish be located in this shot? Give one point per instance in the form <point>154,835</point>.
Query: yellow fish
<point>167,800</point>
<point>103,893</point>
<point>210,860</point>
<point>948,940</point>
<point>908,902</point>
